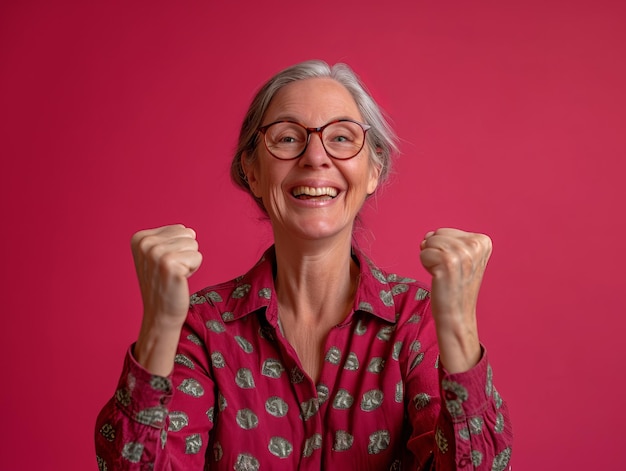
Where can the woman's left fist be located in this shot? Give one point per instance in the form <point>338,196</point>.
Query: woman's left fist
<point>457,261</point>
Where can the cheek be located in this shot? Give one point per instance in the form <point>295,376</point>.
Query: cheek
<point>366,178</point>
<point>268,184</point>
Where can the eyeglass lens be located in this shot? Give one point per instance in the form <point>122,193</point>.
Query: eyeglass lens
<point>342,140</point>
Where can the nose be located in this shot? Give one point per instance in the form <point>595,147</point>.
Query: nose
<point>315,154</point>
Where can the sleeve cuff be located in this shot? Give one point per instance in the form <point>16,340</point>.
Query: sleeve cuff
<point>142,395</point>
<point>469,393</point>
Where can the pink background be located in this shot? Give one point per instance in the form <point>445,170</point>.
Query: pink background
<point>118,116</point>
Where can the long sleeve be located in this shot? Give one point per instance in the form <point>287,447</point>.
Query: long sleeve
<point>473,428</point>
<point>155,422</point>
<point>239,399</point>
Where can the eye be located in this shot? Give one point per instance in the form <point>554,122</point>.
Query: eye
<point>287,139</point>
<point>341,134</point>
<point>286,134</point>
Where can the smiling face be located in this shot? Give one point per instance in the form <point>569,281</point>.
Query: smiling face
<point>313,196</point>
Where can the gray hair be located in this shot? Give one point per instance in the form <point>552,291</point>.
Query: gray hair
<point>381,138</point>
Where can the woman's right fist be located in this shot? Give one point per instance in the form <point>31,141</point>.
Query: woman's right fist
<point>164,258</point>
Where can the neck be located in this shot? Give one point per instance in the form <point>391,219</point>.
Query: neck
<point>315,280</point>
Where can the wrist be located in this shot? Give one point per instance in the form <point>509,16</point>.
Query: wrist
<point>156,348</point>
<point>459,349</point>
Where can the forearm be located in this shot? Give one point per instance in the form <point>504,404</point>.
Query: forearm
<point>459,345</point>
<point>129,427</point>
<point>162,415</point>
<point>472,429</point>
<point>156,348</point>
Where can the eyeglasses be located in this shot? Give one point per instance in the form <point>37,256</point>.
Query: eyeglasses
<point>287,140</point>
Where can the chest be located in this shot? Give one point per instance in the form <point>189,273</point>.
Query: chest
<point>307,345</point>
<point>271,405</point>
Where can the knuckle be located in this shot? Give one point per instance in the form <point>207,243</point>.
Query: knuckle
<point>488,243</point>
<point>168,263</point>
<point>177,228</point>
<point>485,244</point>
<point>137,237</point>
<point>152,247</point>
<point>475,243</point>
<point>142,246</point>
<point>453,259</point>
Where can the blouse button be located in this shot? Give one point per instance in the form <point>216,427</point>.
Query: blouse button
<point>296,375</point>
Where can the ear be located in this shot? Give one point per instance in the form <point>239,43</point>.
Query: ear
<point>250,171</point>
<point>374,176</point>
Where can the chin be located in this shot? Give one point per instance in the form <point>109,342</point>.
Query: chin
<point>320,231</point>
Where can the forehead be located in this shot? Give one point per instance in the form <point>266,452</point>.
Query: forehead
<point>313,102</point>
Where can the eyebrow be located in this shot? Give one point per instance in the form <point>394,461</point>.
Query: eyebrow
<point>297,120</point>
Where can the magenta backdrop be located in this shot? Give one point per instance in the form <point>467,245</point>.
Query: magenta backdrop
<point>118,116</point>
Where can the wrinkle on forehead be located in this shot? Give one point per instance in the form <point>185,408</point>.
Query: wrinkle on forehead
<point>312,102</point>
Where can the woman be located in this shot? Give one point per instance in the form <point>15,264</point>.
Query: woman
<point>315,359</point>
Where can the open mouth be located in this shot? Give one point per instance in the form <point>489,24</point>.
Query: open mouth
<point>309,192</point>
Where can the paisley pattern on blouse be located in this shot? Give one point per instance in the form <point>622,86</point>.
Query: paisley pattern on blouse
<point>240,399</point>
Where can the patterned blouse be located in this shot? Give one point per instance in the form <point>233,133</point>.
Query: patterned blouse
<point>239,399</point>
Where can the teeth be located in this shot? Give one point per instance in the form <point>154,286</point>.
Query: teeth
<point>311,191</point>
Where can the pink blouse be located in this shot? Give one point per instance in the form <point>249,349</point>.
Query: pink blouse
<point>239,399</point>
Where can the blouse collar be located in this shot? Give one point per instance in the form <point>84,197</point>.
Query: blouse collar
<point>256,290</point>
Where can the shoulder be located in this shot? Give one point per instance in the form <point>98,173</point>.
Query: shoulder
<point>390,295</point>
<point>238,297</point>
<point>214,294</point>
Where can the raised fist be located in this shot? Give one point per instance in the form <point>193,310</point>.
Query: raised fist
<point>164,258</point>
<point>457,261</point>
